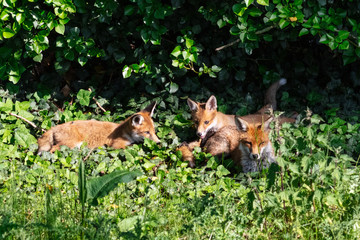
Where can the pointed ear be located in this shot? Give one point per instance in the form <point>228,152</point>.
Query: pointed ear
<point>211,103</point>
<point>137,120</point>
<point>267,123</point>
<point>150,109</point>
<point>192,105</point>
<point>241,124</point>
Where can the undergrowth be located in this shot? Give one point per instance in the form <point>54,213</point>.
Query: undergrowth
<point>313,192</point>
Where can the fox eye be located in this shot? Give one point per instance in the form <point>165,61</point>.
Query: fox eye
<point>196,122</point>
<point>147,132</point>
<point>262,143</point>
<point>206,122</point>
<point>248,143</point>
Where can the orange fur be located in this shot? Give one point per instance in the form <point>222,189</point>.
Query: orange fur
<point>97,133</point>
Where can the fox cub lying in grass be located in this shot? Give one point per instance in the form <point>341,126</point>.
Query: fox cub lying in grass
<point>97,133</point>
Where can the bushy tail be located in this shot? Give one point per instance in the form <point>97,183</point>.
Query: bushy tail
<point>270,96</point>
<point>186,150</point>
<point>45,142</point>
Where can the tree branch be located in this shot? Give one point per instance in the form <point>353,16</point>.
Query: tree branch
<point>238,40</point>
<point>25,120</point>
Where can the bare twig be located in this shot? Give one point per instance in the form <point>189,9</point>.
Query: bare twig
<point>227,45</point>
<point>238,40</point>
<point>88,155</point>
<point>25,120</point>
<point>97,103</point>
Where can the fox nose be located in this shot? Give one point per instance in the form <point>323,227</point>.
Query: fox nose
<point>156,139</point>
<point>200,135</point>
<point>254,156</point>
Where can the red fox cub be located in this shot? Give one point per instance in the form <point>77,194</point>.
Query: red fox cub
<point>255,150</point>
<point>97,133</point>
<point>207,119</point>
<point>247,144</point>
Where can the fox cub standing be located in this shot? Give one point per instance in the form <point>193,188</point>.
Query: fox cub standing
<point>208,120</point>
<point>97,133</point>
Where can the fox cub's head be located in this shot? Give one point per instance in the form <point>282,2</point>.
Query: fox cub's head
<point>255,141</point>
<point>143,125</point>
<point>203,115</point>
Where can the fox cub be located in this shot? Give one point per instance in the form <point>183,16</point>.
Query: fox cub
<point>97,133</point>
<point>208,120</point>
<point>245,139</point>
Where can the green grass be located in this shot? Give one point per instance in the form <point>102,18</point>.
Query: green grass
<point>312,194</point>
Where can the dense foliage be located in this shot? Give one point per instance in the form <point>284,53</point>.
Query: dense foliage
<point>65,60</point>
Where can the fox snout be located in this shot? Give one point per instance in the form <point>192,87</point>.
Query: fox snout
<point>201,134</point>
<point>155,138</point>
<point>254,156</point>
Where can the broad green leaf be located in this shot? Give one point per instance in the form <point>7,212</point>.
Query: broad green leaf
<point>24,138</point>
<point>239,9</point>
<point>84,97</point>
<point>221,171</point>
<point>283,23</point>
<point>101,186</point>
<point>126,72</point>
<point>129,10</point>
<point>173,87</point>
<point>177,51</point>
<point>8,33</point>
<point>263,2</point>
<point>303,31</point>
<point>60,28</point>
<point>248,2</point>
<point>6,106</point>
<point>343,34</point>
<point>344,45</point>
<point>189,42</point>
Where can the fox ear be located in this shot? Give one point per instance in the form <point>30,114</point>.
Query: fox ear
<point>192,105</point>
<point>211,103</point>
<point>241,124</point>
<point>137,120</point>
<point>150,109</point>
<point>267,123</point>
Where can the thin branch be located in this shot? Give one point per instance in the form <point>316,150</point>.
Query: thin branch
<point>227,45</point>
<point>238,40</point>
<point>88,155</point>
<point>24,119</point>
<point>97,103</point>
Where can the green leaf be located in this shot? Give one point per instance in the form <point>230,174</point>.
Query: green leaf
<point>60,28</point>
<point>255,12</point>
<point>24,138</point>
<point>248,2</point>
<point>129,10</point>
<point>126,72</point>
<point>82,183</point>
<point>221,171</point>
<point>263,2</point>
<point>189,42</point>
<point>84,97</point>
<point>283,23</point>
<point>173,87</point>
<point>344,45</point>
<point>303,31</point>
<point>343,34</point>
<point>177,51</point>
<point>101,186</point>
<point>8,33</point>
<point>239,9</point>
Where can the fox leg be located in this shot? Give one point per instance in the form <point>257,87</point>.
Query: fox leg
<point>186,150</point>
